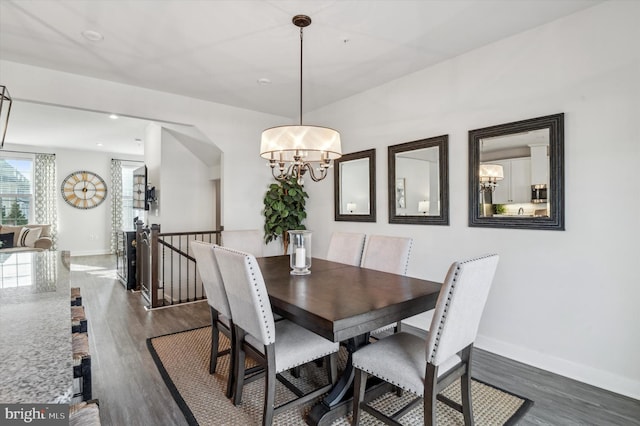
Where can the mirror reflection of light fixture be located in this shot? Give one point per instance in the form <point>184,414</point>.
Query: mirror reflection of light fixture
<point>351,207</point>
<point>423,207</point>
<point>5,110</point>
<point>490,174</point>
<point>300,146</point>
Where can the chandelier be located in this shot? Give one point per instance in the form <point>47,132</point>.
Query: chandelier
<point>490,174</point>
<point>294,150</point>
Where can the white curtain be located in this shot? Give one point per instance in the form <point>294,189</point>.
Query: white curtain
<point>45,194</point>
<point>116,203</point>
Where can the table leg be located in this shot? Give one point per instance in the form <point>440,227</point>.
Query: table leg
<point>338,402</point>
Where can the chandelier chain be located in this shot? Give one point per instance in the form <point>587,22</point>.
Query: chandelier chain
<point>301,28</point>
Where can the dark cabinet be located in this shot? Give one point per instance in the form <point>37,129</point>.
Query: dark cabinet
<point>126,259</point>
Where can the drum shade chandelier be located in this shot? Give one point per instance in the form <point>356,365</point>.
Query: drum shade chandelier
<point>490,174</point>
<point>293,150</point>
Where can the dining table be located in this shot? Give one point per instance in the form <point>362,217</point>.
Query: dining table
<point>343,303</point>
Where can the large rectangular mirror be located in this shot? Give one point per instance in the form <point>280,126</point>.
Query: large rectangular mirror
<point>354,187</point>
<point>516,174</point>
<point>418,182</point>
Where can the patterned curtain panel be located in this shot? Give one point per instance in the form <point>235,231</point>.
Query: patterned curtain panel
<point>45,193</point>
<point>116,203</point>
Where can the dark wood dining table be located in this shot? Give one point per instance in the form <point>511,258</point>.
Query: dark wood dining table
<point>343,303</point>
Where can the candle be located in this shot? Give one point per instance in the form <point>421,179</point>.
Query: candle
<point>300,257</point>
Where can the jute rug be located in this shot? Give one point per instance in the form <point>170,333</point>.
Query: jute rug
<point>183,361</point>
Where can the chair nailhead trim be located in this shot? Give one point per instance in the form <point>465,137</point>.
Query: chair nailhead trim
<point>388,380</point>
<point>307,360</point>
<point>268,330</point>
<point>406,265</point>
<point>449,296</point>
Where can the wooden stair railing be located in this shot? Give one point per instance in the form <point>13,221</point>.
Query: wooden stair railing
<point>166,271</point>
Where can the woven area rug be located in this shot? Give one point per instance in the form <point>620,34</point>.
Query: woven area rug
<point>183,361</point>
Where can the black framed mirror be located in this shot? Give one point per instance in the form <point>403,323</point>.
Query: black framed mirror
<point>418,183</point>
<point>354,187</point>
<point>516,174</point>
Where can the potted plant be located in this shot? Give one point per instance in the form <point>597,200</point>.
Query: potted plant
<point>284,210</point>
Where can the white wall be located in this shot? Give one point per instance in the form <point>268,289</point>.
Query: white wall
<point>564,301</point>
<point>185,191</point>
<point>82,232</point>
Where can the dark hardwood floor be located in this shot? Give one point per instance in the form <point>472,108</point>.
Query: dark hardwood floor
<point>131,391</point>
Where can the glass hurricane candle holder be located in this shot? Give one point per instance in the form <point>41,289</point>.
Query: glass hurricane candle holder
<point>300,257</point>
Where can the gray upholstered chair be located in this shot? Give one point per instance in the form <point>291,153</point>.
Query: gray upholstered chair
<point>427,367</point>
<point>209,272</point>
<point>278,346</point>
<point>346,247</point>
<point>387,254</point>
<point>248,241</point>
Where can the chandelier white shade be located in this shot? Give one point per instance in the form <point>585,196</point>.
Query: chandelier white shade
<point>311,143</point>
<point>294,150</point>
<point>491,173</point>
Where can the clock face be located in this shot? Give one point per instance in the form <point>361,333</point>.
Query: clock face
<point>84,190</point>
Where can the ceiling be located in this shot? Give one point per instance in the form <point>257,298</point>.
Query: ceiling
<point>42,125</point>
<point>219,50</point>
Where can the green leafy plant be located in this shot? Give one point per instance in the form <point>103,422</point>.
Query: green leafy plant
<point>284,210</point>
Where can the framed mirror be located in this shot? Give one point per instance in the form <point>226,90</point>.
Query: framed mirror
<point>418,182</point>
<point>516,174</point>
<point>354,187</point>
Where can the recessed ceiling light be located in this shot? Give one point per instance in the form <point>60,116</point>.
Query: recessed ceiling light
<point>92,35</point>
<point>264,81</point>
<point>99,144</point>
<point>113,116</point>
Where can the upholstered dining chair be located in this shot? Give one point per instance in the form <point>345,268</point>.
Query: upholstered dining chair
<point>427,367</point>
<point>346,247</point>
<point>209,272</point>
<point>387,254</point>
<point>277,346</point>
<point>248,241</point>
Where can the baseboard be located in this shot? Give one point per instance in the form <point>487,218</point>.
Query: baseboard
<point>572,370</point>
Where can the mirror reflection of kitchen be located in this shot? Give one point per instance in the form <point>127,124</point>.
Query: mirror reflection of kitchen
<point>418,182</point>
<point>514,175</point>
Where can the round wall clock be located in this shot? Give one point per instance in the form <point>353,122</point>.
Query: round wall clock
<point>83,189</point>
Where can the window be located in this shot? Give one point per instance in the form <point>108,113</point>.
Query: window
<point>16,190</point>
